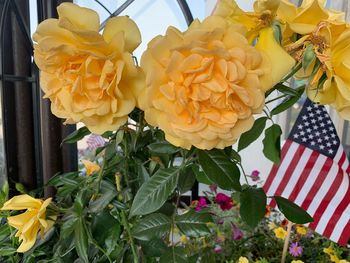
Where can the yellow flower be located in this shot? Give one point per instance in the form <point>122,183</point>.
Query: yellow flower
<point>204,84</point>
<point>329,250</point>
<point>343,261</point>
<point>301,230</point>
<point>297,261</point>
<point>183,239</point>
<point>243,260</point>
<point>31,221</point>
<point>280,233</point>
<point>334,258</point>
<point>90,167</point>
<point>88,77</point>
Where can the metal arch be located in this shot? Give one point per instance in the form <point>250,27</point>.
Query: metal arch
<point>186,11</point>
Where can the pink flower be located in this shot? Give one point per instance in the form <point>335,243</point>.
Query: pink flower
<point>224,201</point>
<point>295,250</point>
<point>237,234</point>
<point>202,202</point>
<point>255,175</point>
<point>218,249</point>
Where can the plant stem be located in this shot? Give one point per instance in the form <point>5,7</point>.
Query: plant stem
<point>245,175</point>
<point>277,98</point>
<point>131,241</point>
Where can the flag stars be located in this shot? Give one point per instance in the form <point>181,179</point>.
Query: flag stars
<point>335,142</point>
<point>302,133</point>
<point>313,121</point>
<point>322,124</point>
<point>317,133</point>
<point>309,108</point>
<point>295,136</point>
<point>322,147</point>
<point>300,127</point>
<point>318,111</point>
<point>307,124</point>
<point>313,143</point>
<point>320,118</point>
<point>311,136</point>
<point>304,117</point>
<point>333,135</point>
<point>324,131</point>
<point>304,139</point>
<point>308,130</point>
<point>330,151</point>
<point>329,144</point>
<point>326,137</point>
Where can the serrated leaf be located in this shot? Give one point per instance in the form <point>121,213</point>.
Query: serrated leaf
<point>153,194</point>
<point>187,178</point>
<point>253,134</point>
<point>163,148</point>
<point>252,205</point>
<point>289,101</point>
<point>152,226</point>
<point>81,240</point>
<point>272,143</point>
<point>292,212</point>
<point>220,169</point>
<point>76,135</point>
<point>193,224</point>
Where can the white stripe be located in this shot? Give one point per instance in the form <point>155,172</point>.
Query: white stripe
<point>337,198</point>
<point>311,179</point>
<point>283,168</point>
<point>297,172</point>
<point>339,154</point>
<point>339,227</point>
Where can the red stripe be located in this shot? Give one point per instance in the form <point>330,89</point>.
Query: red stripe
<point>288,174</point>
<point>348,170</point>
<point>317,184</point>
<point>274,169</point>
<point>338,212</point>
<point>345,235</point>
<point>327,198</point>
<point>304,175</point>
<point>342,160</point>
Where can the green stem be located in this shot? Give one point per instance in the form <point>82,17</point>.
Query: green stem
<point>245,175</point>
<point>131,241</point>
<point>279,97</point>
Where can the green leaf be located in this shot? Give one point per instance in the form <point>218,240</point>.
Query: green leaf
<point>81,240</point>
<point>7,251</point>
<point>253,134</point>
<point>152,226</point>
<point>235,156</point>
<point>104,225</point>
<point>154,247</point>
<point>292,212</point>
<point>187,179</point>
<point>286,90</point>
<point>220,169</point>
<point>309,57</point>
<point>201,176</point>
<point>272,143</point>
<point>107,193</point>
<point>153,194</point>
<point>288,102</point>
<point>68,225</point>
<point>163,148</point>
<point>76,135</point>
<point>252,205</point>
<point>176,255</point>
<point>193,224</point>
<point>5,231</point>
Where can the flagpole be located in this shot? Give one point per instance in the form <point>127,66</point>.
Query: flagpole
<point>286,242</point>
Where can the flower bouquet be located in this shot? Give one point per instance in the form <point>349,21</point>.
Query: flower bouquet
<point>168,122</point>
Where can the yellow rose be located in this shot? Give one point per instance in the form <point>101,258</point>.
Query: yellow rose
<point>90,167</point>
<point>280,233</point>
<point>204,84</point>
<point>243,260</point>
<point>301,230</point>
<point>30,222</point>
<point>88,77</point>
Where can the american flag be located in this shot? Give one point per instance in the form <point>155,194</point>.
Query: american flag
<point>94,141</point>
<point>314,173</point>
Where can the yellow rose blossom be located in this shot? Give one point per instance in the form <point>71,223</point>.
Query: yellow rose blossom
<point>88,77</point>
<point>301,230</point>
<point>204,84</point>
<point>280,233</point>
<point>29,223</point>
<point>297,261</point>
<point>243,260</point>
<point>90,167</point>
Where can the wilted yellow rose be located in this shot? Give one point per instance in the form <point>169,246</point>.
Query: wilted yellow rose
<point>90,167</point>
<point>204,85</point>
<point>88,77</point>
<point>30,222</point>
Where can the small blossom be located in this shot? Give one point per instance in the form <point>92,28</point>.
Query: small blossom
<point>267,211</point>
<point>284,223</point>
<point>280,233</point>
<point>301,230</point>
<point>243,260</point>
<point>213,188</point>
<point>90,167</point>
<point>255,175</point>
<point>297,261</point>
<point>295,250</point>
<point>218,249</point>
<point>183,239</point>
<point>334,258</point>
<point>202,202</point>
<point>329,250</point>
<point>224,201</point>
<point>237,234</point>
<point>220,237</point>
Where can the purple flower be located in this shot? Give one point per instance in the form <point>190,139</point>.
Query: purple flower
<point>295,250</point>
<point>224,201</point>
<point>218,249</point>
<point>255,175</point>
<point>237,234</point>
<point>202,202</point>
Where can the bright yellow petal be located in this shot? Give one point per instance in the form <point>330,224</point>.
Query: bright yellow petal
<point>277,62</point>
<point>21,202</point>
<point>82,18</point>
<point>29,239</point>
<point>125,24</point>
<point>90,167</point>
